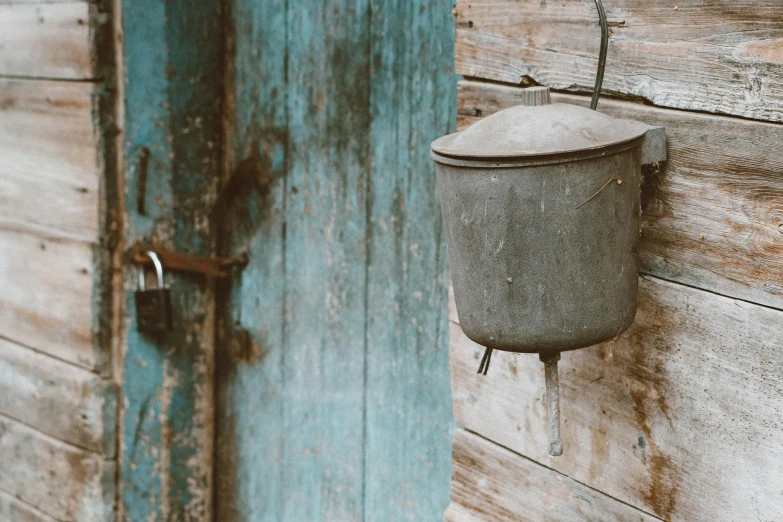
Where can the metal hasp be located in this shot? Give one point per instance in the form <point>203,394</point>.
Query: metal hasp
<point>541,204</point>
<point>177,262</point>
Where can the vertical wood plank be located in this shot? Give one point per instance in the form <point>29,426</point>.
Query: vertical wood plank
<point>409,417</point>
<point>324,358</point>
<point>328,103</point>
<point>249,381</point>
<point>173,107</point>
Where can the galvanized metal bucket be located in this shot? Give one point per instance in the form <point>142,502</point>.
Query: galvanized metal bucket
<point>541,211</point>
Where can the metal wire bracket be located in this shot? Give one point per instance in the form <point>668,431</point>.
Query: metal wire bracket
<point>599,77</point>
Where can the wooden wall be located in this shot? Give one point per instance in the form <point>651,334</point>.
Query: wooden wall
<point>682,417</point>
<point>57,389</point>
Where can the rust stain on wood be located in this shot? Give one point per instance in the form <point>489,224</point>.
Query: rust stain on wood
<point>649,350</point>
<point>768,51</point>
<point>246,349</point>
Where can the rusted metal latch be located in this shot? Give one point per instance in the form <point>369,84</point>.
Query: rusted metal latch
<point>177,262</point>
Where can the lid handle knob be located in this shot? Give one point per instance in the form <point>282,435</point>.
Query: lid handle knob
<point>533,96</point>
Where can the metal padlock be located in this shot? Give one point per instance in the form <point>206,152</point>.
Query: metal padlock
<point>153,307</point>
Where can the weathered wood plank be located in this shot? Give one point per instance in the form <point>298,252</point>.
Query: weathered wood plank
<point>332,145</point>
<point>49,176</point>
<point>39,2</point>
<point>62,400</point>
<point>251,390</point>
<point>713,216</point>
<point>492,483</point>
<point>61,480</point>
<point>703,56</point>
<point>680,417</point>
<point>45,40</point>
<point>408,405</point>
<point>46,302</point>
<point>325,260</point>
<point>14,510</point>
<point>172,107</point>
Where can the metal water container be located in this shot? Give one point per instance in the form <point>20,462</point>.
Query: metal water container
<point>541,209</point>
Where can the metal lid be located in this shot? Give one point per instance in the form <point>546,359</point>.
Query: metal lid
<point>538,129</point>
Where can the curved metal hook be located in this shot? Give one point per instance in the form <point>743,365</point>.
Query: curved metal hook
<point>599,77</point>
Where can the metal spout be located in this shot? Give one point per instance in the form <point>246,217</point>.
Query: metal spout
<point>552,402</point>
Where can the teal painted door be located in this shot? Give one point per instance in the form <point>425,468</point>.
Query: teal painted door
<point>338,408</point>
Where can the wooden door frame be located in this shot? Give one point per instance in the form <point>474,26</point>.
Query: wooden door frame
<point>173,61</point>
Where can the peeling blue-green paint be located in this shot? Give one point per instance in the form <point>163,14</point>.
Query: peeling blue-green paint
<point>339,409</point>
<point>344,413</point>
<point>173,63</point>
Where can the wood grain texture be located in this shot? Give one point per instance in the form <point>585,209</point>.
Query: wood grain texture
<point>492,483</point>
<point>338,406</point>
<point>38,2</point>
<point>14,510</point>
<point>49,174</point>
<point>172,106</point>
<point>722,57</point>
<point>46,302</point>
<point>250,386</point>
<point>45,40</point>
<point>408,404</point>
<point>712,217</point>
<point>66,402</point>
<point>325,260</point>
<point>680,417</point>
<point>60,480</point>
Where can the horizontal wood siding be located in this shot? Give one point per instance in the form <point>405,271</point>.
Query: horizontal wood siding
<point>39,2</point>
<point>45,40</point>
<point>14,510</point>
<point>681,417</point>
<point>57,394</point>
<point>492,483</point>
<point>49,173</point>
<point>699,55</point>
<point>713,213</point>
<point>61,480</point>
<point>47,296</point>
<point>69,403</point>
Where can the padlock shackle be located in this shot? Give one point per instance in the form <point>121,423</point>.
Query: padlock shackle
<point>158,270</point>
